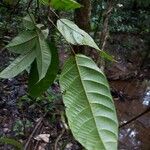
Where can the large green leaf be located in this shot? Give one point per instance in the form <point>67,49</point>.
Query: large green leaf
<point>43,57</point>
<point>37,88</point>
<point>62,4</point>
<point>18,65</point>
<point>89,106</point>
<point>74,35</point>
<point>23,42</point>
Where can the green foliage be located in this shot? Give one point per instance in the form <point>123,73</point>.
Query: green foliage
<point>74,35</point>
<point>37,88</point>
<point>31,45</point>
<point>12,142</point>
<point>128,20</point>
<point>23,43</point>
<point>133,16</point>
<point>127,16</point>
<point>43,57</point>
<point>18,65</point>
<point>86,94</point>
<point>29,22</point>
<point>21,126</point>
<point>62,4</point>
<point>89,105</point>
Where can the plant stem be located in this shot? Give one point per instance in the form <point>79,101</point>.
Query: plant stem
<point>29,4</point>
<point>135,118</point>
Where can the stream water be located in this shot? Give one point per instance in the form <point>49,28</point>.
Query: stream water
<point>135,99</point>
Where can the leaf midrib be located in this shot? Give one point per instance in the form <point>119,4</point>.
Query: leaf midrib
<point>25,55</point>
<point>88,101</point>
<point>82,34</point>
<point>23,42</point>
<point>61,20</point>
<point>40,51</point>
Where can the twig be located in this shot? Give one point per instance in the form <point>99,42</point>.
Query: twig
<point>105,32</point>
<point>58,138</point>
<point>29,4</point>
<point>38,125</point>
<point>54,13</point>
<point>135,118</point>
<point>37,143</point>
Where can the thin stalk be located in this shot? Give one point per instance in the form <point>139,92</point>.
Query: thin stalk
<point>135,118</point>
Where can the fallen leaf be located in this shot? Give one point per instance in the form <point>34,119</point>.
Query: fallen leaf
<point>43,137</point>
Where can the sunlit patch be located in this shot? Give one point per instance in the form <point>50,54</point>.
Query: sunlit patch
<point>133,133</point>
<point>146,99</point>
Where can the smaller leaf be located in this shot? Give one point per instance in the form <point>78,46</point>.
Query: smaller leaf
<point>37,88</point>
<point>74,35</point>
<point>18,65</point>
<point>23,42</point>
<point>43,57</point>
<point>62,4</point>
<point>29,22</point>
<point>43,137</point>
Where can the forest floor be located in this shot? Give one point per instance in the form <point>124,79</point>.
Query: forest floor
<point>38,124</point>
